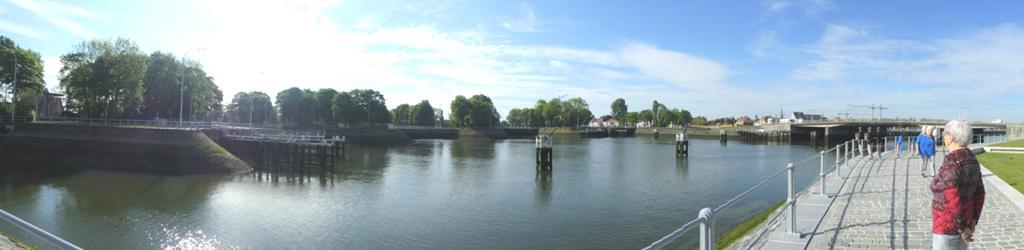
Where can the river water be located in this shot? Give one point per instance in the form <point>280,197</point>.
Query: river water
<point>603,193</point>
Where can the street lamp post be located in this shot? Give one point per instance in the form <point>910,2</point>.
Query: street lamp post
<point>181,97</point>
<point>250,110</point>
<point>14,95</point>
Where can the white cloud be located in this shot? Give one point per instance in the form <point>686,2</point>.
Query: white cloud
<point>300,46</point>
<point>526,22</point>
<point>20,30</point>
<point>675,67</point>
<point>810,7</point>
<point>987,59</point>
<point>59,14</point>
<point>51,71</point>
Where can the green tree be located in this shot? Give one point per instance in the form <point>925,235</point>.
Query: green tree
<point>29,76</point>
<point>700,121</point>
<point>619,110</point>
<point>423,114</point>
<point>478,111</point>
<point>325,100</point>
<point>400,115</point>
<point>646,116</point>
<point>482,112</point>
<point>289,103</point>
<point>256,105</point>
<point>576,112</point>
<point>345,109</point>
<point>459,111</point>
<point>371,110</point>
<point>552,113</point>
<point>632,118</point>
<point>202,97</point>
<point>104,79</point>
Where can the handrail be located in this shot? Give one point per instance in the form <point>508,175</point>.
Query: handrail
<point>661,243</point>
<point>689,225</point>
<point>732,201</point>
<point>38,232</point>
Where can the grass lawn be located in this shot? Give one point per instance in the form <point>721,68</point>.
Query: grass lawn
<point>1017,143</point>
<point>19,242</point>
<point>1009,167</point>
<point>737,232</point>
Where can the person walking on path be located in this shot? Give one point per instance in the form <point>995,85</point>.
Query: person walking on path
<point>926,148</point>
<point>899,145</point>
<point>916,150</point>
<point>958,193</point>
<point>934,134</point>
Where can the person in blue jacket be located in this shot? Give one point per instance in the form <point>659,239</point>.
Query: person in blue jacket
<point>926,146</point>
<point>899,145</point>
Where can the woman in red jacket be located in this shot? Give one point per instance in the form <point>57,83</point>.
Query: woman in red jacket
<point>958,193</point>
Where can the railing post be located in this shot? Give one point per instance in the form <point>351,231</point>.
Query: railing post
<point>839,150</point>
<point>790,200</point>
<point>847,155</point>
<point>821,166</point>
<point>707,228</point>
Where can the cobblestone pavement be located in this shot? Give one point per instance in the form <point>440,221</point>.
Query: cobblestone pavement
<point>6,243</point>
<point>885,204</point>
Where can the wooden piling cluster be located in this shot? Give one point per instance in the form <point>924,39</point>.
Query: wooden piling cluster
<point>764,136</point>
<point>682,145</point>
<point>544,153</point>
<point>270,153</point>
<point>723,137</point>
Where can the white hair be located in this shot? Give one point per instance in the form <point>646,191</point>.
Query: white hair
<point>959,132</point>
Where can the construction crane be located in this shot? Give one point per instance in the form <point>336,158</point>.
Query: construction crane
<point>873,107</point>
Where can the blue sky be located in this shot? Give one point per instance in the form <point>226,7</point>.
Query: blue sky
<point>714,58</point>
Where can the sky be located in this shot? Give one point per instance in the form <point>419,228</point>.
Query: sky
<point>927,59</point>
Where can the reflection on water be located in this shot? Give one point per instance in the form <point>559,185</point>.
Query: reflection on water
<point>603,193</point>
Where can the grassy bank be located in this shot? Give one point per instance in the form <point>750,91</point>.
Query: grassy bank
<point>19,243</point>
<point>1017,144</point>
<point>1009,167</point>
<point>739,230</point>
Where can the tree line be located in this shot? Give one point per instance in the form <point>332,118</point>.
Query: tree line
<point>553,113</point>
<point>329,108</point>
<point>116,79</point>
<point>29,68</point>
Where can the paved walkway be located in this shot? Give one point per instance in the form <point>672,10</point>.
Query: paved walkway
<point>6,243</point>
<point>885,204</point>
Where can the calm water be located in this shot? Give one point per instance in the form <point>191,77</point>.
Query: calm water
<point>603,193</point>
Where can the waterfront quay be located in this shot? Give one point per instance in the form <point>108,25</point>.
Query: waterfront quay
<point>884,203</point>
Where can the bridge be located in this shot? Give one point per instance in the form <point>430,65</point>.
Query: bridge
<point>842,130</point>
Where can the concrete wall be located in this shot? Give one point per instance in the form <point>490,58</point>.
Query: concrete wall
<point>162,151</point>
<point>1015,130</point>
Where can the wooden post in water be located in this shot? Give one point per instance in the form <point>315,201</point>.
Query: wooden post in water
<point>722,137</point>
<point>682,145</point>
<point>879,147</point>
<point>544,153</point>
<point>814,138</point>
<point>826,136</point>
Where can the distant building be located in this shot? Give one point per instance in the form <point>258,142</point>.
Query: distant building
<point>744,121</point>
<point>765,120</point>
<point>800,117</point>
<point>603,122</point>
<point>49,104</point>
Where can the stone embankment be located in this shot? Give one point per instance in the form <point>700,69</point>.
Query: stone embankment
<point>164,151</point>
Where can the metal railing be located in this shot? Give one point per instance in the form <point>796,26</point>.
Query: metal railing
<point>36,231</point>
<point>152,123</point>
<point>706,217</point>
<point>7,119</point>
